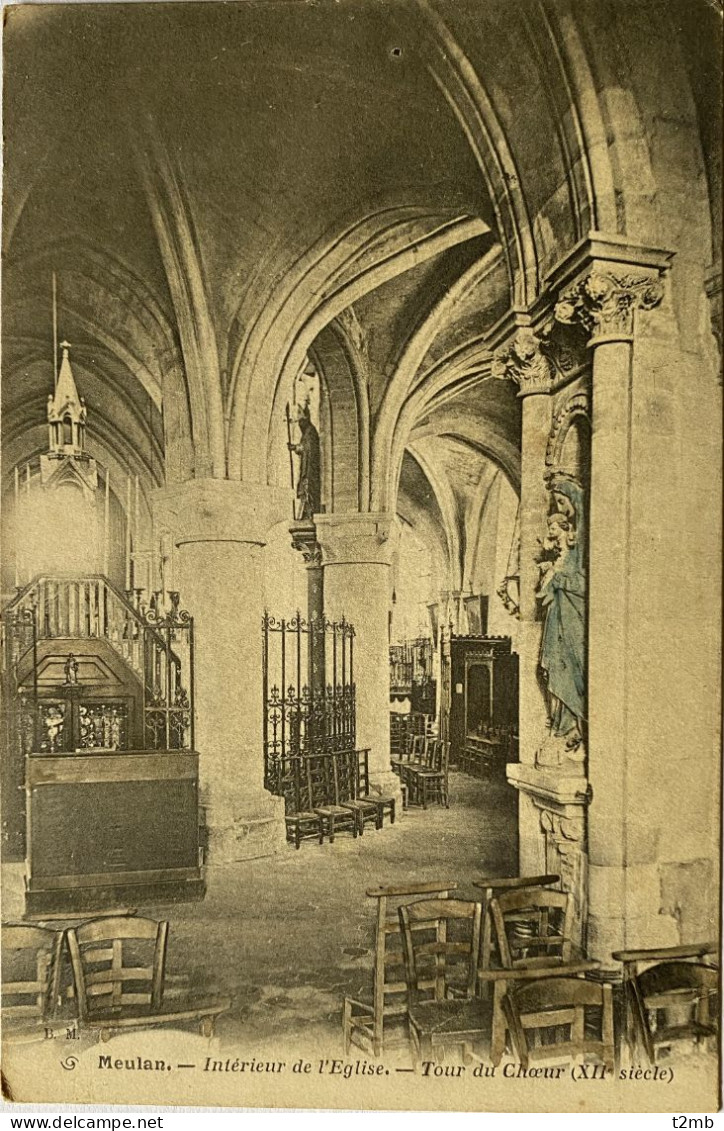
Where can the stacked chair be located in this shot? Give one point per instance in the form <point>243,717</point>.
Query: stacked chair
<point>671,997</point>
<point>369,1023</point>
<point>516,942</point>
<point>491,888</point>
<point>485,753</point>
<point>423,771</point>
<point>330,793</point>
<point>574,1015</point>
<point>533,938</point>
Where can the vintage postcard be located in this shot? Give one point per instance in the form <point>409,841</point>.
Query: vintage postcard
<point>361,542</point>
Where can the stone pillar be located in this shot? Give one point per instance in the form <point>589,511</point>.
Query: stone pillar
<point>304,539</point>
<point>624,829</point>
<point>356,555</point>
<point>713,288</point>
<point>523,362</point>
<point>218,529</point>
<point>455,598</point>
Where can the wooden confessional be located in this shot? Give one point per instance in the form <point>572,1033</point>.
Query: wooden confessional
<point>479,694</point>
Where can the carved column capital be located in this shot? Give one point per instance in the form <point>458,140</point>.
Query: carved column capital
<point>523,361</point>
<point>218,510</point>
<point>355,539</point>
<point>604,302</point>
<point>304,539</point>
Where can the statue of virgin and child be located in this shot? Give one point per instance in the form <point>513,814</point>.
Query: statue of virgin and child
<point>562,592</point>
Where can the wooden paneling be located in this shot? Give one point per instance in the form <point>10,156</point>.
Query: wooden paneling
<point>106,820</point>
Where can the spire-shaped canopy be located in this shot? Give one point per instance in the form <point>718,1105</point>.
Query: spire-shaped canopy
<point>66,411</point>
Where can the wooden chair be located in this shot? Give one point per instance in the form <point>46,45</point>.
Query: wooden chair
<point>324,788</point>
<point>302,820</point>
<point>493,887</point>
<point>533,931</point>
<point>357,801</point>
<point>413,757</point>
<point>365,1023</point>
<point>398,735</point>
<point>533,926</point>
<point>669,996</point>
<point>574,1016</point>
<point>441,945</point>
<point>383,805</point>
<point>31,964</point>
<point>404,748</point>
<point>118,970</point>
<point>432,781</point>
<point>425,754</point>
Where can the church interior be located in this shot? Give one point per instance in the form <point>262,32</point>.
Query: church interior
<point>361,443</point>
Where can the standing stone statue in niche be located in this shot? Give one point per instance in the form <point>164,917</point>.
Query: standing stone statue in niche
<point>309,479</point>
<point>562,591</point>
<point>70,669</point>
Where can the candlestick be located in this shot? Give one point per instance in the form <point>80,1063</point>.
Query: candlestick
<point>136,525</point>
<point>128,533</point>
<point>106,527</point>
<point>17,527</point>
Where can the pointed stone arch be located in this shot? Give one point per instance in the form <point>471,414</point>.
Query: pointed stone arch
<point>344,266</point>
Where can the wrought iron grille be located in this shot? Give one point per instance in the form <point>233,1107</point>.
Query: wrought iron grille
<point>19,716</point>
<point>20,639</point>
<point>411,664</point>
<point>301,719</point>
<point>168,682</point>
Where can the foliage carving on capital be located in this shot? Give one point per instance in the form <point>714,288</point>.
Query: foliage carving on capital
<point>362,538</point>
<point>523,361</point>
<point>604,303</point>
<point>304,539</point>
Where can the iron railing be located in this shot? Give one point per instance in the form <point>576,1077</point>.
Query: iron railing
<point>156,643</point>
<point>305,714</point>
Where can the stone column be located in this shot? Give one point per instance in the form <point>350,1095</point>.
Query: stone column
<point>623,828</point>
<point>218,529</point>
<point>356,555</point>
<point>523,362</point>
<point>304,539</point>
<point>713,288</point>
<point>455,598</point>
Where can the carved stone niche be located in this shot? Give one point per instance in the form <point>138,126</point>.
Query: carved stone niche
<point>571,413</point>
<point>557,803</point>
<point>565,853</point>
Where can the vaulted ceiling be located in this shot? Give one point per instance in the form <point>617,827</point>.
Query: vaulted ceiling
<point>216,184</point>
<point>272,132</point>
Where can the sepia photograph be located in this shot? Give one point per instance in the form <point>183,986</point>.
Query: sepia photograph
<point>360,588</point>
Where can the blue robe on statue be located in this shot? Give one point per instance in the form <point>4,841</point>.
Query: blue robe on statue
<point>563,645</point>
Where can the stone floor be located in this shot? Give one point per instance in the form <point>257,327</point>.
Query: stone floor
<point>288,937</point>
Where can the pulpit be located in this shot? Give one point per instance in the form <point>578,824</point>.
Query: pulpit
<point>103,721</point>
